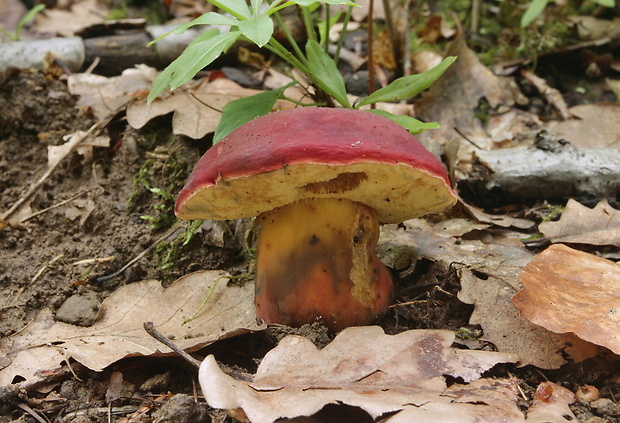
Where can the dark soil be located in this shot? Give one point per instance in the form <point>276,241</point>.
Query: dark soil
<point>117,216</point>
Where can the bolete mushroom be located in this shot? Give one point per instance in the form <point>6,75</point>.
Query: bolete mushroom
<point>319,181</point>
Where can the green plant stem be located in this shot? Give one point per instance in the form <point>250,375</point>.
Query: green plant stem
<point>305,12</point>
<point>343,32</point>
<point>327,28</point>
<point>290,38</point>
<point>275,47</point>
<point>299,103</point>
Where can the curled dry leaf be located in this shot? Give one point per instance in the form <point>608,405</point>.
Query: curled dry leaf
<point>363,367</point>
<point>582,225</point>
<point>566,290</point>
<point>118,332</point>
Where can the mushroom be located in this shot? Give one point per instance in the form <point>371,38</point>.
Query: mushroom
<point>319,181</point>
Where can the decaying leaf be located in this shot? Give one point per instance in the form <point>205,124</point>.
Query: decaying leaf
<point>363,367</point>
<point>489,276</point>
<point>67,22</point>
<point>551,405</point>
<point>191,116</point>
<point>118,332</point>
<point>508,331</point>
<point>105,95</point>
<point>582,225</point>
<point>566,290</point>
<point>597,126</point>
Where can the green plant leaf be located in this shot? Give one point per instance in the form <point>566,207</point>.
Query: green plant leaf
<point>198,54</point>
<point>534,9</point>
<point>412,125</point>
<point>408,86</point>
<point>607,3</point>
<point>257,29</point>
<point>209,18</point>
<point>237,8</point>
<point>27,18</point>
<point>243,110</point>
<point>274,7</point>
<point>325,73</point>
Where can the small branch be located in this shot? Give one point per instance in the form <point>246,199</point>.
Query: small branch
<point>62,203</point>
<point>149,327</point>
<point>139,256</point>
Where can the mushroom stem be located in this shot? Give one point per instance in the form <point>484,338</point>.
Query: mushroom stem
<point>317,260</point>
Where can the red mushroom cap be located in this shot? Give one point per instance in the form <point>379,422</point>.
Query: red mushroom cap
<point>315,152</point>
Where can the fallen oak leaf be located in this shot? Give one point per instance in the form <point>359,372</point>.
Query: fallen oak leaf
<point>118,331</point>
<point>363,367</point>
<point>582,225</point>
<point>566,290</point>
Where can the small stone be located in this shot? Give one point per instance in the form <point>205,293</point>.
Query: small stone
<point>157,383</point>
<point>605,407</point>
<point>79,309</point>
<point>182,408</point>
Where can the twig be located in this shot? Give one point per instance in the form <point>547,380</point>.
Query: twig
<point>552,95</point>
<point>139,256</point>
<point>33,413</point>
<point>149,327</point>
<point>45,266</point>
<point>62,203</point>
<point>394,38</point>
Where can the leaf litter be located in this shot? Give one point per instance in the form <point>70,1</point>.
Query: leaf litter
<point>488,259</point>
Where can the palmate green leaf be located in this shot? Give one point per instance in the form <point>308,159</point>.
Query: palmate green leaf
<point>408,86</point>
<point>534,9</point>
<point>243,110</point>
<point>209,18</point>
<point>325,73</point>
<point>412,125</point>
<point>198,54</point>
<point>258,29</point>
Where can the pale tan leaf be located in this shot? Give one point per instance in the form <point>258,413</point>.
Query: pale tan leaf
<point>467,81</point>
<point>566,290</point>
<point>118,332</point>
<point>67,22</point>
<point>191,117</point>
<point>597,126</point>
<point>363,367</point>
<point>551,405</point>
<point>103,95</point>
<point>582,225</point>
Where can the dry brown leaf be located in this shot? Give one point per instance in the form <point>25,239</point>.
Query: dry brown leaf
<point>582,225</point>
<point>467,81</point>
<point>551,405</point>
<point>191,117</point>
<point>103,95</point>
<point>497,261</point>
<point>508,331</point>
<point>363,367</point>
<point>566,290</point>
<point>118,332</point>
<point>598,126</point>
<point>67,22</point>
<point>498,220</point>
